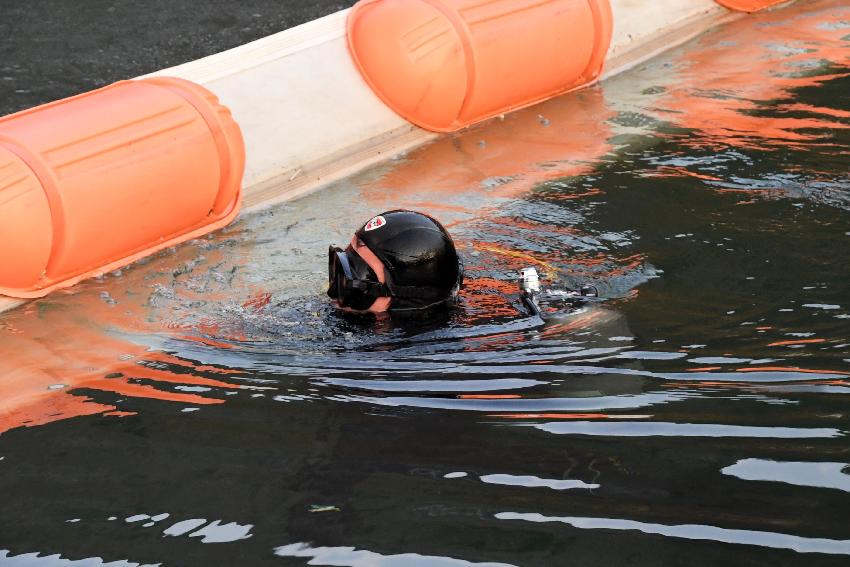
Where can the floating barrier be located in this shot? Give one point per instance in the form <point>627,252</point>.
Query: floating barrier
<point>446,64</point>
<point>91,183</point>
<point>749,5</point>
<point>94,182</point>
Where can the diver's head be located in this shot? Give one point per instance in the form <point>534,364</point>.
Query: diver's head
<point>398,261</point>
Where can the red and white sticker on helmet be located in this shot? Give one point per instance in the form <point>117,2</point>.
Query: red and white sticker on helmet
<point>376,222</point>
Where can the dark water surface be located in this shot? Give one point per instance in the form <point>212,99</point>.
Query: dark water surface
<point>208,408</point>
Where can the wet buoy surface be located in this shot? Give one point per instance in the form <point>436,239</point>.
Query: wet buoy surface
<point>91,183</point>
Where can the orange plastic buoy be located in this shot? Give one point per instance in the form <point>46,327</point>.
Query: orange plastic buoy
<point>94,182</point>
<point>446,64</point>
<point>749,5</point>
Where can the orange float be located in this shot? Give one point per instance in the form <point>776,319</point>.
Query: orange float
<point>94,182</point>
<point>749,5</point>
<point>446,64</point>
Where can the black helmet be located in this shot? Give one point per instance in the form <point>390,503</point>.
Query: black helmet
<point>398,260</point>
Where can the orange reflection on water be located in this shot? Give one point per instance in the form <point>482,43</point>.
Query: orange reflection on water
<point>56,352</point>
<point>676,171</point>
<point>789,369</point>
<point>487,297</point>
<point>755,63</point>
<point>796,342</point>
<point>472,171</point>
<point>516,259</point>
<point>49,364</point>
<point>583,319</point>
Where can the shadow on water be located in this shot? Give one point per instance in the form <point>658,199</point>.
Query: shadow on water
<point>696,415</point>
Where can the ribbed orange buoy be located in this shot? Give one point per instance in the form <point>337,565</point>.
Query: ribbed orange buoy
<point>91,183</point>
<point>446,64</point>
<point>749,5</point>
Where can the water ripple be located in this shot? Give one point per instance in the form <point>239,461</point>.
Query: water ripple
<point>694,531</point>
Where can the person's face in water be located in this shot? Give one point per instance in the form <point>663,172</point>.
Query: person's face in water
<point>397,262</point>
<point>357,279</point>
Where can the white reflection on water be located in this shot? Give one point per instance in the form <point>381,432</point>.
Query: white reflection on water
<point>750,376</point>
<point>184,527</point>
<point>820,475</point>
<point>528,404</point>
<point>719,360</point>
<point>651,355</point>
<point>56,560</point>
<point>668,429</point>
<point>216,532</point>
<point>535,482</point>
<point>351,557</point>
<point>457,474</point>
<point>435,385</point>
<point>695,531</point>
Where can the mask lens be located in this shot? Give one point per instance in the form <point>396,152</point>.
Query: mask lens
<point>338,272</point>
<point>344,268</point>
<point>332,270</point>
